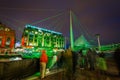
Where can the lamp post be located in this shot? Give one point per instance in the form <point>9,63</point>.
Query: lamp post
<point>98,39</point>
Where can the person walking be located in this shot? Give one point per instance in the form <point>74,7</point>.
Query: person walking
<point>91,59</point>
<point>101,64</point>
<point>117,59</point>
<point>79,59</point>
<point>43,62</point>
<point>60,60</point>
<point>53,61</point>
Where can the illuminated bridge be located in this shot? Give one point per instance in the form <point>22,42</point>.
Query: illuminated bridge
<point>110,47</point>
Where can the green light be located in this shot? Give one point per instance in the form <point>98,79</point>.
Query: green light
<point>26,31</point>
<point>42,29</point>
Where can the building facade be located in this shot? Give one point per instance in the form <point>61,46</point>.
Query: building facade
<point>42,38</point>
<point>7,37</point>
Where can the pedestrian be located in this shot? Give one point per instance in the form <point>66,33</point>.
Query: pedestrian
<point>101,64</point>
<point>68,64</point>
<point>43,62</point>
<point>53,61</point>
<point>79,58</point>
<point>91,59</point>
<point>117,59</point>
<point>74,61</point>
<point>60,60</point>
<point>84,58</point>
<point>82,62</point>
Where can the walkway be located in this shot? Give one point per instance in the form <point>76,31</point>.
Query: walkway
<point>81,74</point>
<point>36,76</point>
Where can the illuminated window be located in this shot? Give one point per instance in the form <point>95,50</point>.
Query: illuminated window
<point>6,29</point>
<point>40,33</point>
<point>0,40</point>
<point>36,32</point>
<point>31,35</point>
<point>26,31</point>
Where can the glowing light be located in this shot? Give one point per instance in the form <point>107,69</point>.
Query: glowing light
<point>36,32</point>
<point>30,44</point>
<point>42,29</point>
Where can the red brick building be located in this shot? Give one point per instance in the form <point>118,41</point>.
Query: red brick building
<point>7,37</point>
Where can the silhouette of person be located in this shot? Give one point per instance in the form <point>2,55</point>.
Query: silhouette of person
<point>117,58</point>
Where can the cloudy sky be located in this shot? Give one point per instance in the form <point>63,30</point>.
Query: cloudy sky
<point>94,16</point>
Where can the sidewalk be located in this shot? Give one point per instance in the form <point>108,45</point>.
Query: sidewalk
<point>37,75</point>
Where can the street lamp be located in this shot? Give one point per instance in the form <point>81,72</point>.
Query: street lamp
<point>98,39</point>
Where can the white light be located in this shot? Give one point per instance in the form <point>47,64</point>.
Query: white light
<point>36,32</point>
<point>31,44</point>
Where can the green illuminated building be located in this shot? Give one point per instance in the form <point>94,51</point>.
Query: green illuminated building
<point>39,37</point>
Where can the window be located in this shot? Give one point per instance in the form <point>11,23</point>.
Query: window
<point>6,29</point>
<point>31,37</point>
<point>8,42</point>
<point>0,40</point>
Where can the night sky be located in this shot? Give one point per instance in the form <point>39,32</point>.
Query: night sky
<point>95,16</point>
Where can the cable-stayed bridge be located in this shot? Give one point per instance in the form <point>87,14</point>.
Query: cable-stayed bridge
<point>61,23</point>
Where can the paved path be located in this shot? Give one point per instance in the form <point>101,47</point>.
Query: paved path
<point>36,76</point>
<point>81,74</point>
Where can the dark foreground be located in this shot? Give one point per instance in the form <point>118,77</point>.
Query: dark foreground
<point>79,75</point>
<point>82,74</point>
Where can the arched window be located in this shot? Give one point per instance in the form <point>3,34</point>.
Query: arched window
<point>8,42</point>
<point>0,40</point>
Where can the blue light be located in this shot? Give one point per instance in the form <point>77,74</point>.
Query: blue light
<point>42,29</point>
